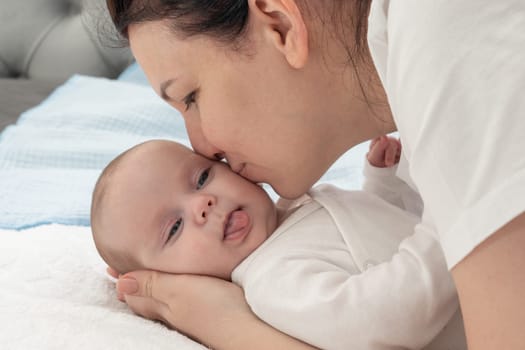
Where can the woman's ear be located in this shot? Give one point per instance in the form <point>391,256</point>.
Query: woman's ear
<point>283,25</point>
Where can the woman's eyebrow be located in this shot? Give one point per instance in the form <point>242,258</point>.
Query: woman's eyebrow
<point>163,87</point>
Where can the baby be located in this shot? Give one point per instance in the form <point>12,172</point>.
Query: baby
<point>348,257</point>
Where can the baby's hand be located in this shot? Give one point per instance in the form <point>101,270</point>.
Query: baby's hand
<point>384,151</point>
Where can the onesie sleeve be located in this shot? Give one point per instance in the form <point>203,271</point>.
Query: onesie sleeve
<point>454,74</point>
<point>384,183</point>
<point>402,303</point>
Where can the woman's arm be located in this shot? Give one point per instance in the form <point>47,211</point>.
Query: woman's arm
<point>490,283</point>
<point>462,120</point>
<point>209,310</point>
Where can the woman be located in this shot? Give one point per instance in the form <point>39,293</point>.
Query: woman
<point>281,88</point>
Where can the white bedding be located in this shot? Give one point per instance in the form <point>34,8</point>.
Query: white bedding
<point>55,294</point>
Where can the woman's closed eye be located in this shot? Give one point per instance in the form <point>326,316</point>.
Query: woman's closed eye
<point>190,99</point>
<point>203,177</point>
<point>176,228</point>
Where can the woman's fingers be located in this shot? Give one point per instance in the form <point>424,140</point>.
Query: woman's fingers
<point>112,272</point>
<point>148,293</point>
<point>142,284</point>
<point>194,305</point>
<point>148,308</point>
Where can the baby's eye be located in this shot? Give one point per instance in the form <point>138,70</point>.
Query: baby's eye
<point>174,229</point>
<point>203,178</point>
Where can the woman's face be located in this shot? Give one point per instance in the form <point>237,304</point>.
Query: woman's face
<point>273,123</point>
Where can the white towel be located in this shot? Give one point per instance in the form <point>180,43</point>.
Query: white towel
<point>55,294</point>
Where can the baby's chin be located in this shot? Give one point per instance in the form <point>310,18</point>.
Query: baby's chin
<point>226,275</point>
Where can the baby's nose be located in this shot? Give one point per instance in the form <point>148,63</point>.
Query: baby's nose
<point>202,207</point>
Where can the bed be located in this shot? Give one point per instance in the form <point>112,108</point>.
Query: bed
<point>61,124</point>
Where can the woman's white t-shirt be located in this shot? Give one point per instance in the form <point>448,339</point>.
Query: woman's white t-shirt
<point>454,73</point>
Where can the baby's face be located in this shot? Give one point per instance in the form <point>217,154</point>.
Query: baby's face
<point>178,212</point>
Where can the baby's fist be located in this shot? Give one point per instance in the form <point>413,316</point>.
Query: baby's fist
<point>384,152</point>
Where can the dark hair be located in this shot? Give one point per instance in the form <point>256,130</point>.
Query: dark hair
<point>224,20</point>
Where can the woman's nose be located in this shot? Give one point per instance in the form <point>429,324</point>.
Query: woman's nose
<point>206,149</point>
<point>202,207</point>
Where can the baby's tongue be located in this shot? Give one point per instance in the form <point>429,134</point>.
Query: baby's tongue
<point>237,221</point>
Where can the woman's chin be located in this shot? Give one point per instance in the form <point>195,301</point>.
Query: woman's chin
<point>291,190</point>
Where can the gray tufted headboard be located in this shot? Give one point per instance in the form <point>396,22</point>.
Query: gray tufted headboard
<point>52,39</point>
<point>44,42</point>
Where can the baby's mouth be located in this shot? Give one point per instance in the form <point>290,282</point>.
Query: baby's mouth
<point>236,224</point>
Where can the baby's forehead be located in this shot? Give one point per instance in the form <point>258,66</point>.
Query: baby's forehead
<point>148,174</point>
<point>162,146</point>
<point>155,153</point>
<point>162,150</point>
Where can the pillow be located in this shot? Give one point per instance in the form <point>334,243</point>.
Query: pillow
<point>134,74</point>
<point>50,159</point>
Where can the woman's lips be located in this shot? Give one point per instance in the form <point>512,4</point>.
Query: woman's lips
<point>237,225</point>
<point>238,168</point>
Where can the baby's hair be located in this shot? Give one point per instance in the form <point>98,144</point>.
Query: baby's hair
<point>117,259</point>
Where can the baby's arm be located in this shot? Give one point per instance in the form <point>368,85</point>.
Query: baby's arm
<point>380,175</point>
<point>401,303</point>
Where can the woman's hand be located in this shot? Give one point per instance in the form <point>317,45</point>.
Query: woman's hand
<point>209,310</point>
<point>204,308</point>
<point>384,152</point>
